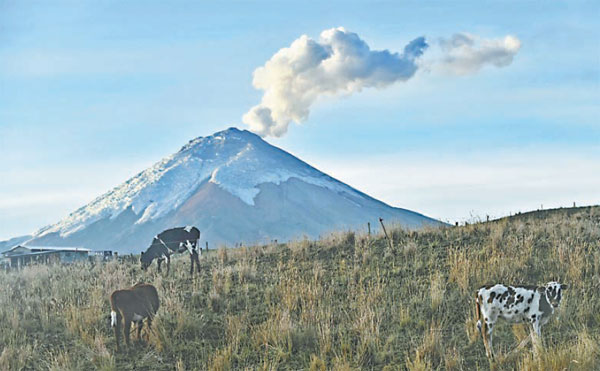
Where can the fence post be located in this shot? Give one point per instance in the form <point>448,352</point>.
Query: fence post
<point>369,228</point>
<point>386,235</point>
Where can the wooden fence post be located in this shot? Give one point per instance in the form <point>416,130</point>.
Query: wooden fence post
<point>386,235</point>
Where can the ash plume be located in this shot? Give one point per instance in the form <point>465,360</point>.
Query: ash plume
<point>340,62</point>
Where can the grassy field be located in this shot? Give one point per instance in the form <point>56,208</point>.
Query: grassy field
<point>345,302</point>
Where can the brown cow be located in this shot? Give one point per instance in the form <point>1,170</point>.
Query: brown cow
<point>133,305</point>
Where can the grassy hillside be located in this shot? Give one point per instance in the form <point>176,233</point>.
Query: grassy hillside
<point>345,302</point>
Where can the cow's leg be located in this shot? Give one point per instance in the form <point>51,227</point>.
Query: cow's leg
<point>486,332</point>
<point>538,329</point>
<point>484,336</point>
<point>127,329</point>
<point>140,325</point>
<point>478,314</point>
<point>536,334</point>
<point>490,328</point>
<point>117,328</point>
<point>149,328</point>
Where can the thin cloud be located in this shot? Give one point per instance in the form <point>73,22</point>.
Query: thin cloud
<point>464,54</point>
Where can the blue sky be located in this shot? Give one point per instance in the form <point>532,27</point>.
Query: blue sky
<point>93,92</point>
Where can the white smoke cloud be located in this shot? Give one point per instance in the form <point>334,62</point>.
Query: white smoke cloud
<point>338,63</point>
<point>465,54</point>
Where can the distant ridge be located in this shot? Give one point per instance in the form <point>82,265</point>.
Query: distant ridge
<point>544,213</point>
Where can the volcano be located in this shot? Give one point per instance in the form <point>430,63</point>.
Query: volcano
<point>236,188</point>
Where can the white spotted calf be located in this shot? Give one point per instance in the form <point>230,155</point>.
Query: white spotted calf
<point>515,304</point>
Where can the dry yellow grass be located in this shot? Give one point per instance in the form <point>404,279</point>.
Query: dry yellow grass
<point>346,302</point>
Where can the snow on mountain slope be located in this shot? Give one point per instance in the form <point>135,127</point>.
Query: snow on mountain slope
<point>230,185</point>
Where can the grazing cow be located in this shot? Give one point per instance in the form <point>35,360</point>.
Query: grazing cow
<point>516,304</point>
<point>133,305</point>
<point>174,240</point>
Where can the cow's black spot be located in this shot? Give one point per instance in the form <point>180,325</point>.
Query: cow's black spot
<point>520,299</point>
<point>530,299</point>
<point>526,310</point>
<point>511,299</point>
<point>492,295</point>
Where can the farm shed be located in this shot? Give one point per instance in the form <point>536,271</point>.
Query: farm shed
<point>20,256</point>
<point>101,255</point>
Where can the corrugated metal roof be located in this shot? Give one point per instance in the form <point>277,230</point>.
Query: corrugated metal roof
<point>57,248</point>
<point>38,253</point>
<point>35,249</point>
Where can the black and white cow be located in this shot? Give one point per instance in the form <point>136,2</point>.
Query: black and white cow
<point>174,240</point>
<point>531,304</point>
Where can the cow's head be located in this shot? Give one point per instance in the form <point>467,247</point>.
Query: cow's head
<point>554,292</point>
<point>145,261</point>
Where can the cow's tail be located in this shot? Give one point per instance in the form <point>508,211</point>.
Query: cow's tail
<point>478,311</point>
<point>113,312</point>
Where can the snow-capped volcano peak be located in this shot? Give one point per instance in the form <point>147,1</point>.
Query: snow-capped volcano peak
<point>234,187</point>
<point>237,161</point>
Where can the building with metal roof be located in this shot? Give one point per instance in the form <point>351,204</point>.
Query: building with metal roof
<point>20,256</point>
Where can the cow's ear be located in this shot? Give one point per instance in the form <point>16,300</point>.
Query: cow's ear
<point>564,287</point>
